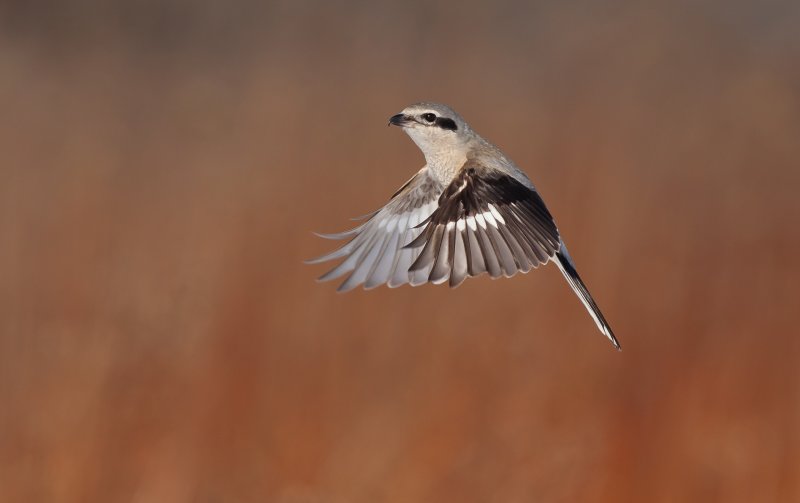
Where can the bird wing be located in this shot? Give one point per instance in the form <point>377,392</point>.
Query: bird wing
<point>376,253</point>
<point>489,221</point>
<point>486,221</point>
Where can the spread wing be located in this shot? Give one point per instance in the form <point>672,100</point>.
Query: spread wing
<point>486,221</point>
<point>376,253</point>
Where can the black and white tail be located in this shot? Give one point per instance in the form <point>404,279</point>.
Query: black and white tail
<point>564,262</point>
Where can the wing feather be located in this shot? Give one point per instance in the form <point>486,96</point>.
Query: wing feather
<point>475,262</point>
<point>486,221</point>
<point>459,269</point>
<point>364,264</point>
<point>376,252</point>
<point>488,253</point>
<point>441,266</point>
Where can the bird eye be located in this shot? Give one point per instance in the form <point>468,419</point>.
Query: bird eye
<point>429,117</point>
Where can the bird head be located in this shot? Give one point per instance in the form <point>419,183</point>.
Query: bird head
<point>436,129</point>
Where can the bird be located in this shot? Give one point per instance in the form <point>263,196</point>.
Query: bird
<point>469,211</point>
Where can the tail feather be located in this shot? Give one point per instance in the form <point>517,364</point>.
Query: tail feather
<point>567,267</point>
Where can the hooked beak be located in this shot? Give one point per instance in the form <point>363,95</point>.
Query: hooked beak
<point>399,120</point>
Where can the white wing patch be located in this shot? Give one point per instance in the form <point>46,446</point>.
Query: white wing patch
<point>496,214</point>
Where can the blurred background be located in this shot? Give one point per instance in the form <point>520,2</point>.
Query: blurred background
<point>163,166</point>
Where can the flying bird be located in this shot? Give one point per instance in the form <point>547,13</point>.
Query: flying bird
<point>469,211</point>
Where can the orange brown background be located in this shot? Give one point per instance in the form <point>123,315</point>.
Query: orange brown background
<point>164,164</point>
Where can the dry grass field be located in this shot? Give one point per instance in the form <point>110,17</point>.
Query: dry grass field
<point>162,166</point>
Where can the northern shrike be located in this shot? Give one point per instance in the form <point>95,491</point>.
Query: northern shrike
<point>469,211</point>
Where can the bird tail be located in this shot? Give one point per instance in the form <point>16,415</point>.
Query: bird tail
<point>567,267</point>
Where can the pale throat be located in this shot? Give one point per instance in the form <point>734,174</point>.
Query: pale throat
<point>446,165</point>
<point>444,160</point>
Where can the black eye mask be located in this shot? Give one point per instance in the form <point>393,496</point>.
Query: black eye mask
<point>445,123</point>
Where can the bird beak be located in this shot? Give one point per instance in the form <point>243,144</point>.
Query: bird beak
<point>399,120</point>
